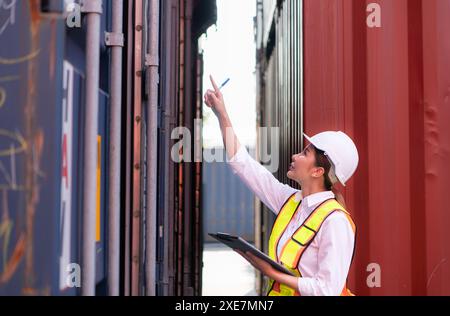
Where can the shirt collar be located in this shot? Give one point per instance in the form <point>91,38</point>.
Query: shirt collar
<point>315,198</point>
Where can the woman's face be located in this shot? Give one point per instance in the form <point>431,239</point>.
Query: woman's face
<point>302,166</point>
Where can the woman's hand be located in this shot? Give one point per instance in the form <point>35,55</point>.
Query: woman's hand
<point>214,99</point>
<point>259,264</point>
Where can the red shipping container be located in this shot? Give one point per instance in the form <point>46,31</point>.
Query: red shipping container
<point>389,89</point>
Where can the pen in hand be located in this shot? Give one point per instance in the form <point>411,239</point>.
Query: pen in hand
<point>214,98</point>
<point>224,83</point>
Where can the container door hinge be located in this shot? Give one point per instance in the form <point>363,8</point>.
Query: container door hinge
<point>114,39</point>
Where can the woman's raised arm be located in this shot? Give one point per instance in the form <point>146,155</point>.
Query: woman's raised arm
<point>256,177</point>
<point>214,99</point>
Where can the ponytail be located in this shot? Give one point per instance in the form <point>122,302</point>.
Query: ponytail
<point>339,196</point>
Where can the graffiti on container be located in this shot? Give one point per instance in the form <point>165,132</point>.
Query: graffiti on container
<point>20,154</point>
<point>12,61</point>
<point>18,60</point>
<point>7,14</point>
<point>13,251</point>
<point>8,182</point>
<point>11,143</point>
<point>10,264</point>
<point>2,96</point>
<point>3,93</point>
<point>9,78</point>
<point>17,145</point>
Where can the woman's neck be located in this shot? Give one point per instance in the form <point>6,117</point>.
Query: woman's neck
<point>311,188</point>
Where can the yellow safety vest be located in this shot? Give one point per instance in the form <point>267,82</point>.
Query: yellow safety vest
<point>300,240</point>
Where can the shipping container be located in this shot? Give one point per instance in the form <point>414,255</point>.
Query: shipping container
<point>48,101</point>
<point>388,88</point>
<point>228,205</point>
<point>322,65</point>
<point>279,95</point>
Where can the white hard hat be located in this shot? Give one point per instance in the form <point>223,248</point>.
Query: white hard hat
<point>341,151</point>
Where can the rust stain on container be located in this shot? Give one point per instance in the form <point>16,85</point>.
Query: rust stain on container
<point>36,139</point>
<point>14,261</point>
<point>137,131</point>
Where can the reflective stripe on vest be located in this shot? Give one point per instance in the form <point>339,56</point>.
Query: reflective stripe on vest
<point>300,240</point>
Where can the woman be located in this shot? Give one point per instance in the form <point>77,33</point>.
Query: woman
<point>313,235</point>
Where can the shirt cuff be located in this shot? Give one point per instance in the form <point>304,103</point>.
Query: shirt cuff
<point>304,286</point>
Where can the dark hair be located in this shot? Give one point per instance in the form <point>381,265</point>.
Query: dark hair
<point>323,162</point>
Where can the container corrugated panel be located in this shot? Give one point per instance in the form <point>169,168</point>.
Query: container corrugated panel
<point>227,202</point>
<point>281,67</point>
<point>41,139</point>
<point>73,104</point>
<point>42,93</point>
<point>388,88</point>
<point>179,204</point>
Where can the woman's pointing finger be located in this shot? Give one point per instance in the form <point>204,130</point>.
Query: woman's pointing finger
<point>214,84</point>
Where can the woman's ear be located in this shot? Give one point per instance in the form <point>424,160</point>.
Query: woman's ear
<point>320,171</point>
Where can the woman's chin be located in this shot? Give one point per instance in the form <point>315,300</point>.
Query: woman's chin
<point>289,174</point>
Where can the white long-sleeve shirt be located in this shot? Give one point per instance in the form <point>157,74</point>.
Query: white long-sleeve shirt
<point>324,265</point>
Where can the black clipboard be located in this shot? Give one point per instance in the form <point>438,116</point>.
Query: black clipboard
<point>236,242</point>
